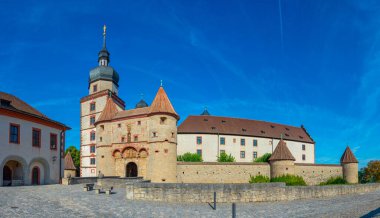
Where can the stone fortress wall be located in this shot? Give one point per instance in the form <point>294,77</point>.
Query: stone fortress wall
<point>211,172</point>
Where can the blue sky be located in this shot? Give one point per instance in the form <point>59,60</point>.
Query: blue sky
<point>315,63</point>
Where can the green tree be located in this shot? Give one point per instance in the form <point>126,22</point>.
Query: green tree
<point>75,154</point>
<point>189,157</point>
<point>226,158</point>
<point>264,158</point>
<point>372,171</point>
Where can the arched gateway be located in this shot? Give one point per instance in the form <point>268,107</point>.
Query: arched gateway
<point>131,170</point>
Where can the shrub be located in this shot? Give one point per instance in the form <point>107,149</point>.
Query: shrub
<point>259,179</point>
<point>226,158</point>
<point>264,158</point>
<point>334,181</point>
<point>290,180</point>
<point>189,157</point>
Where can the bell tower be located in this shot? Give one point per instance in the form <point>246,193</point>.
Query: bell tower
<point>103,84</point>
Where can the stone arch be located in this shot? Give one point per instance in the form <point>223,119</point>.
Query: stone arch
<point>116,153</point>
<point>143,153</point>
<point>129,152</point>
<point>23,168</point>
<point>44,168</point>
<point>131,169</point>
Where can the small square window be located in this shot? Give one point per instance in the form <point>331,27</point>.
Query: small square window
<point>154,134</point>
<point>162,120</point>
<point>222,140</point>
<point>92,149</point>
<point>242,142</point>
<point>92,161</point>
<point>92,136</point>
<point>122,139</point>
<point>119,125</point>
<point>234,140</point>
<point>303,147</point>
<point>303,157</point>
<point>254,155</point>
<point>95,88</point>
<point>255,143</point>
<point>199,140</point>
<point>139,122</point>
<point>199,152</point>
<point>135,138</point>
<point>92,120</point>
<point>242,154</point>
<point>92,106</point>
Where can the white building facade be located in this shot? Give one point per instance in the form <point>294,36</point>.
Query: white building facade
<point>244,139</point>
<point>31,145</point>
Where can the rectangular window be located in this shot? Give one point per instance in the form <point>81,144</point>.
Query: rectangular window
<point>92,106</point>
<point>14,133</point>
<point>36,137</point>
<point>222,151</point>
<point>122,139</point>
<point>92,136</point>
<point>303,147</point>
<point>95,88</point>
<point>92,149</point>
<point>199,140</point>
<point>92,120</point>
<point>242,142</point>
<point>222,140</point>
<point>135,138</point>
<point>242,154</point>
<point>234,140</point>
<point>154,134</point>
<point>303,157</point>
<point>255,143</point>
<point>254,155</point>
<point>139,122</point>
<point>53,141</point>
<point>199,152</point>
<point>92,161</point>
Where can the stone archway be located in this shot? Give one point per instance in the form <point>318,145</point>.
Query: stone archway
<point>43,171</point>
<point>131,170</point>
<point>13,173</point>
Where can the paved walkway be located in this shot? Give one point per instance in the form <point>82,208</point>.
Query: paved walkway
<point>70,201</point>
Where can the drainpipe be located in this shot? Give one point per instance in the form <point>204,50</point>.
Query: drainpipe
<point>61,149</point>
<point>218,146</point>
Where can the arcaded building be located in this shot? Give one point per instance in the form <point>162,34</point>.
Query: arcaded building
<point>31,144</point>
<point>244,139</point>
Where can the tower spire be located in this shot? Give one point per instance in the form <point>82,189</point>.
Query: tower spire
<point>104,55</point>
<point>104,36</point>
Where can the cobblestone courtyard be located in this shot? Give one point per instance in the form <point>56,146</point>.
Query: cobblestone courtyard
<point>71,201</point>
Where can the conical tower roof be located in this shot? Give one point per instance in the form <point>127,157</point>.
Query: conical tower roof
<point>161,104</point>
<point>348,156</point>
<point>110,110</point>
<point>69,163</point>
<point>281,152</point>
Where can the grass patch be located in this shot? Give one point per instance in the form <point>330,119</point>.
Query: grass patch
<point>334,181</point>
<point>259,179</point>
<point>289,180</point>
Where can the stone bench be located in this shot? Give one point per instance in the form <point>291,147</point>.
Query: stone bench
<point>103,189</point>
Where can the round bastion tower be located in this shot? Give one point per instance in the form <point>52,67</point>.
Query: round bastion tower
<point>162,130</point>
<point>350,166</point>
<point>281,161</point>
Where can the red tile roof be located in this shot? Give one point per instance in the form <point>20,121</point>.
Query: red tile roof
<point>69,163</point>
<point>161,104</point>
<point>243,127</point>
<point>19,106</point>
<point>281,152</point>
<point>109,111</point>
<point>132,112</point>
<point>348,156</point>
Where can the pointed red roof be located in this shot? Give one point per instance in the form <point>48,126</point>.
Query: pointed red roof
<point>348,156</point>
<point>69,163</point>
<point>109,111</point>
<point>161,104</point>
<point>281,152</point>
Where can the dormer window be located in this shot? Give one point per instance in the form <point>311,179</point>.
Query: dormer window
<point>5,103</point>
<point>95,88</point>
